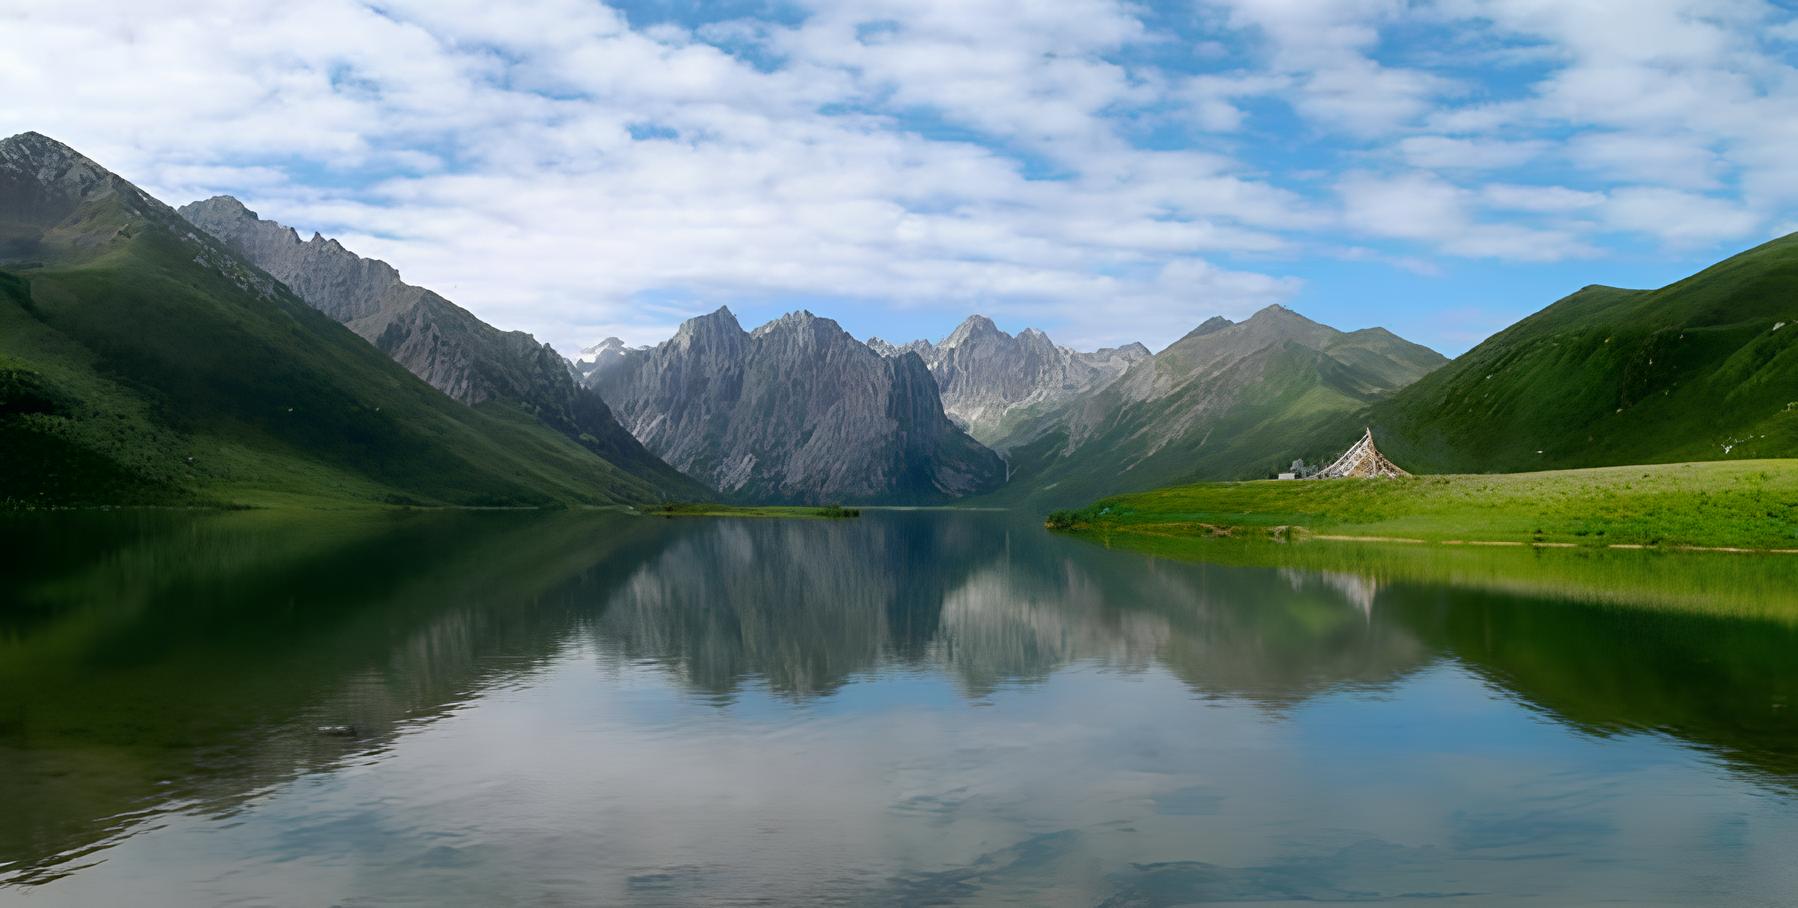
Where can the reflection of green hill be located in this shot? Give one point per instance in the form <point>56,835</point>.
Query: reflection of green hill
<point>1729,686</point>
<point>147,659</point>
<point>1226,631</point>
<point>1727,584</point>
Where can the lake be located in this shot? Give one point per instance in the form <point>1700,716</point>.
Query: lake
<point>937,708</point>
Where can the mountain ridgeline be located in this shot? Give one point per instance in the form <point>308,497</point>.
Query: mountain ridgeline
<point>1227,401</point>
<point>795,410</point>
<point>1703,369</point>
<point>209,356</point>
<point>436,340</point>
<point>992,381</point>
<point>143,361</point>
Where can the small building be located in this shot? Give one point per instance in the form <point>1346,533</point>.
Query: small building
<point>1362,461</point>
<point>1289,476</point>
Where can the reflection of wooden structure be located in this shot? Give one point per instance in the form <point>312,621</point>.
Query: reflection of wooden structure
<point>1363,461</point>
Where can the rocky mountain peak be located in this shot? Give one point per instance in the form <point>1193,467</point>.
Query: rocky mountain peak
<point>610,347</point>
<point>976,327</point>
<point>985,374</point>
<point>36,150</point>
<point>718,327</point>
<point>1278,313</point>
<point>327,276</point>
<point>45,180</point>
<point>220,209</point>
<point>1210,325</point>
<point>797,410</point>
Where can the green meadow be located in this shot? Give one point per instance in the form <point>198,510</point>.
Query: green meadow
<point>1734,504</point>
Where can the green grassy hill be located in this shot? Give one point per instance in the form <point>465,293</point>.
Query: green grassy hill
<point>1751,504</point>
<point>1228,401</point>
<point>142,362</point>
<point>1703,369</point>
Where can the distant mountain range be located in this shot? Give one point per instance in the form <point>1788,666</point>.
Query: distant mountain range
<point>795,410</point>
<point>211,356</point>
<point>1227,401</point>
<point>991,381</point>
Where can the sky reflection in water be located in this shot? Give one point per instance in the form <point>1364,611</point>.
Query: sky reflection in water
<point>908,708</point>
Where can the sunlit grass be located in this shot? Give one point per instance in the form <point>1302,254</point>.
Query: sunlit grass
<point>1742,504</point>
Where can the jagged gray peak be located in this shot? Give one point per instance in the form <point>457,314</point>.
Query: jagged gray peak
<point>435,339</point>
<point>796,410</point>
<point>990,379</point>
<point>606,354</point>
<point>327,276</point>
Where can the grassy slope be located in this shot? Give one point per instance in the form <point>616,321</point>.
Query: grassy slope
<point>1696,370</point>
<point>119,366</point>
<point>1738,503</point>
<point>1279,401</point>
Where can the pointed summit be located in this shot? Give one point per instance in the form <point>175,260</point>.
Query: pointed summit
<point>974,327</point>
<point>717,319</point>
<point>1210,325</point>
<point>37,149</point>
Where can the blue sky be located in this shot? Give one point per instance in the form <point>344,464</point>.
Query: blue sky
<point>1106,171</point>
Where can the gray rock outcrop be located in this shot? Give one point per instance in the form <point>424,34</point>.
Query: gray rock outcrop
<point>797,410</point>
<point>989,379</point>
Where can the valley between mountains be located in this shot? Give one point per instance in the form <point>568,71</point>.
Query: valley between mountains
<point>207,356</point>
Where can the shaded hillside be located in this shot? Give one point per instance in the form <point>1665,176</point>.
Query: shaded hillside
<point>1227,401</point>
<point>1703,369</point>
<point>432,337</point>
<point>141,361</point>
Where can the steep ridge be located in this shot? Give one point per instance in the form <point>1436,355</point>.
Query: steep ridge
<point>1227,401</point>
<point>991,380</point>
<point>797,410</point>
<point>435,339</point>
<point>142,361</point>
<point>1703,369</point>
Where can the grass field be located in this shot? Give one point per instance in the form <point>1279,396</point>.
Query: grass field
<point>1733,504</point>
<point>828,512</point>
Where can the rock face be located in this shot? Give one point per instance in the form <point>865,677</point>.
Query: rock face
<point>797,410</point>
<point>600,357</point>
<point>435,339</point>
<point>989,379</point>
<point>1227,401</point>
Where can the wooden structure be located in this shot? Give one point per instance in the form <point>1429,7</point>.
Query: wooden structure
<point>1363,461</point>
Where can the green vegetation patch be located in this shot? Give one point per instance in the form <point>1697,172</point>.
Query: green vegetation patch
<point>1734,504</point>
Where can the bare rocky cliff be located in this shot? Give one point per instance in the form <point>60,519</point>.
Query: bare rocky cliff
<point>436,340</point>
<point>797,410</point>
<point>990,379</point>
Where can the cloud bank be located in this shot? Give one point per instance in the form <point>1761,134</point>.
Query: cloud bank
<point>1109,171</point>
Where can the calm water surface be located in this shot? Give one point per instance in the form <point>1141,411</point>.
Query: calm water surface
<point>909,708</point>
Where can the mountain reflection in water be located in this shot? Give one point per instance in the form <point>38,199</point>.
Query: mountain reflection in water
<point>911,707</point>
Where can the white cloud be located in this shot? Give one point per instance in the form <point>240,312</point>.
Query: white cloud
<point>1444,153</point>
<point>1541,199</point>
<point>1422,207</point>
<point>1680,218</point>
<point>556,169</point>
